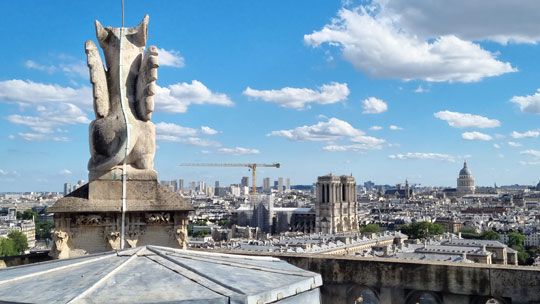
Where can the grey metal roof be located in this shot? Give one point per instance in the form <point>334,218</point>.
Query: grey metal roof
<point>154,274</point>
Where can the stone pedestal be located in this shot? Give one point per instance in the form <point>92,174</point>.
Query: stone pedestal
<point>88,220</point>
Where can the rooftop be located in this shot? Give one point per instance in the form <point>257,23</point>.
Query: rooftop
<point>159,275</point>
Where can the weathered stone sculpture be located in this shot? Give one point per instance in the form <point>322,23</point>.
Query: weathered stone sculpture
<point>123,99</point>
<point>122,148</point>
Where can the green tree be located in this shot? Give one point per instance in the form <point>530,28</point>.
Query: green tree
<point>28,214</point>
<point>224,222</point>
<point>19,241</point>
<point>370,228</point>
<point>43,229</point>
<point>516,239</point>
<point>490,235</point>
<point>7,247</point>
<point>421,230</point>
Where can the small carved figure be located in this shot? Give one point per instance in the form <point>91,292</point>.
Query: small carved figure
<point>92,219</point>
<point>61,248</point>
<point>113,237</point>
<point>157,217</point>
<point>180,235</point>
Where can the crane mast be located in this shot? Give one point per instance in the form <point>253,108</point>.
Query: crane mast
<point>252,166</point>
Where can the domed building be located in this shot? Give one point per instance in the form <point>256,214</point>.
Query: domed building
<point>465,181</point>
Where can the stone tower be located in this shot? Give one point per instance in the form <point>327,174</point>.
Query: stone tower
<point>465,181</point>
<point>336,205</point>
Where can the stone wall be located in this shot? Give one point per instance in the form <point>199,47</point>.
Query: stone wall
<point>401,282</point>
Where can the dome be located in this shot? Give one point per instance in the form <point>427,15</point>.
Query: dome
<point>465,170</point>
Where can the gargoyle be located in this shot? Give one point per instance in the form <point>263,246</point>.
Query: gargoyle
<point>123,92</point>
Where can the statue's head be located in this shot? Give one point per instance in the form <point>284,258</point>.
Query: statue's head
<point>60,238</point>
<point>133,44</point>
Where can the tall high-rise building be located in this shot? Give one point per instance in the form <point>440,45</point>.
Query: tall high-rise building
<point>287,184</point>
<point>201,186</point>
<point>280,184</point>
<point>335,204</point>
<point>245,181</point>
<point>67,188</point>
<point>266,184</point>
<point>465,181</point>
<point>216,184</point>
<point>181,184</point>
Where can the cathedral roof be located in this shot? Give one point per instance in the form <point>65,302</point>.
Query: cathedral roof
<point>160,275</point>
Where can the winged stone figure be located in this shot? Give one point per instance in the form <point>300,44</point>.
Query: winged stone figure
<point>123,92</point>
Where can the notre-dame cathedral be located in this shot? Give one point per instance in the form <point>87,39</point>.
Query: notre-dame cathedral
<point>336,204</point>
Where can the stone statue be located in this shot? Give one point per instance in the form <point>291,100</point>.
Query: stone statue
<point>123,99</point>
<point>90,219</point>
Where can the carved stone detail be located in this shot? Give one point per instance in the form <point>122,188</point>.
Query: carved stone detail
<point>157,217</point>
<point>113,238</point>
<point>60,248</point>
<point>91,219</point>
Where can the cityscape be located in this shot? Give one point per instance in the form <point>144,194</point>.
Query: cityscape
<point>379,151</point>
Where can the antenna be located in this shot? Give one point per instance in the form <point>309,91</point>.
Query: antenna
<point>122,13</point>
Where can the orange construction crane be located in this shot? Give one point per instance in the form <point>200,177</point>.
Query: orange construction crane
<point>252,167</point>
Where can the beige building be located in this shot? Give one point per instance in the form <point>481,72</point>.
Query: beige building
<point>336,205</point>
<point>465,181</point>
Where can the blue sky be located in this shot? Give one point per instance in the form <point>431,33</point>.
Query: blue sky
<point>381,89</point>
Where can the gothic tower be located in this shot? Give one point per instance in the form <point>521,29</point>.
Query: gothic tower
<point>336,205</point>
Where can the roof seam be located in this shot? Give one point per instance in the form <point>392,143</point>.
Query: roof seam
<point>103,279</point>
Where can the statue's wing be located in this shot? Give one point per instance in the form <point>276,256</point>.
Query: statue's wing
<point>146,84</point>
<point>98,79</point>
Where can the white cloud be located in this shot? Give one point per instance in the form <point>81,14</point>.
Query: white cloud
<point>8,175</point>
<point>465,120</point>
<point>526,134</point>
<point>178,97</point>
<point>332,129</point>
<point>41,137</point>
<point>496,146</point>
<point>421,89</point>
<point>529,163</point>
<point>171,132</point>
<point>299,98</point>
<point>28,92</point>
<point>395,128</point>
<point>376,128</point>
<point>238,151</point>
<point>193,141</point>
<point>421,155</point>
<point>374,105</point>
<point>52,105</point>
<point>208,131</point>
<point>65,172</point>
<point>496,20</point>
<point>73,68</point>
<point>350,148</point>
<point>532,153</point>
<point>164,128</point>
<point>476,136</point>
<point>514,144</point>
<point>529,103</point>
<point>30,64</point>
<point>377,45</point>
<point>170,58</point>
